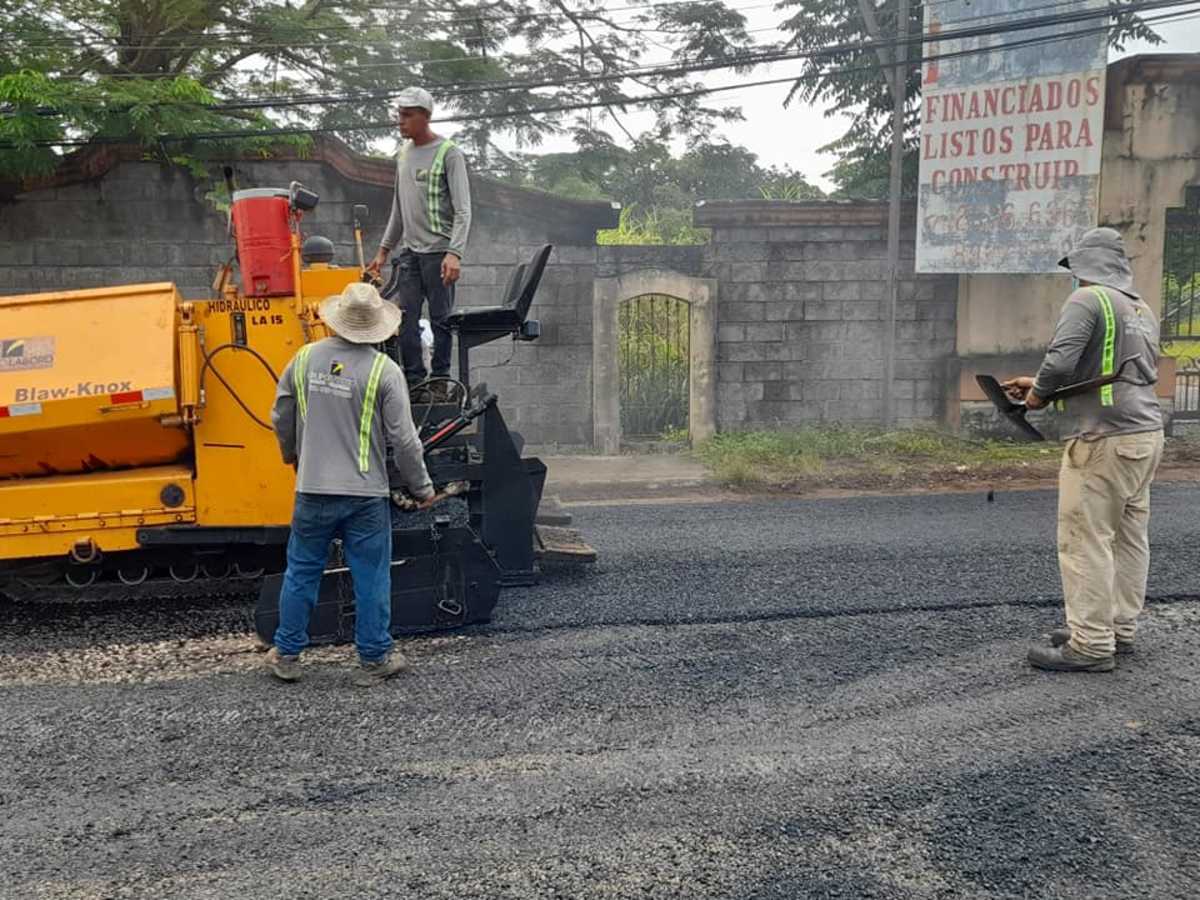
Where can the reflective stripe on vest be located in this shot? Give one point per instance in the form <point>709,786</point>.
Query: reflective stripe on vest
<point>299,376</point>
<point>434,188</point>
<point>1110,345</point>
<point>368,414</point>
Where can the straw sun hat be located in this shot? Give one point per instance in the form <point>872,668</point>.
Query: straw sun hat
<point>360,315</point>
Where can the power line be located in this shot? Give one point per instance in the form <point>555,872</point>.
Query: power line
<point>683,68</point>
<point>228,37</point>
<point>409,64</point>
<point>621,101</point>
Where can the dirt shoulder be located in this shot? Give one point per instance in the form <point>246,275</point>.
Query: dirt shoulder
<point>730,473</point>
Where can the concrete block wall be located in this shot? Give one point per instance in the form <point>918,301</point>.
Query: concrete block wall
<point>545,385</point>
<point>800,334</point>
<point>112,218</point>
<point>800,286</point>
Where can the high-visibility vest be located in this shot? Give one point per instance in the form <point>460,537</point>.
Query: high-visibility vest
<point>365,420</point>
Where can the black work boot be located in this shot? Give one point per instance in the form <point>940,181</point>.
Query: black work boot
<point>1060,636</point>
<point>1064,659</point>
<point>420,391</point>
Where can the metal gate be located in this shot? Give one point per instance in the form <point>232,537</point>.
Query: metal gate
<point>655,335</point>
<point>1181,303</point>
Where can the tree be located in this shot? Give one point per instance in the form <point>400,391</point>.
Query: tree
<point>657,189</point>
<point>140,69</point>
<point>850,83</point>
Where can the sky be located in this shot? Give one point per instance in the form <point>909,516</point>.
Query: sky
<point>792,136</point>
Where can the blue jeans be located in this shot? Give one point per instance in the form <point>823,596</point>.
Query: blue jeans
<point>365,526</point>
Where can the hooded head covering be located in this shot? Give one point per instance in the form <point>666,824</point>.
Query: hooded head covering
<point>1100,258</point>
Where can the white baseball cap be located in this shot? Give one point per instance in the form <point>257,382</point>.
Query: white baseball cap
<point>415,97</point>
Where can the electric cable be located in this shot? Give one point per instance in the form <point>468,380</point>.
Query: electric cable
<point>685,67</point>
<point>465,18</point>
<point>208,364</point>
<point>623,101</point>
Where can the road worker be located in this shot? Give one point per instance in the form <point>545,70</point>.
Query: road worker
<point>426,234</point>
<point>1114,442</point>
<point>339,404</point>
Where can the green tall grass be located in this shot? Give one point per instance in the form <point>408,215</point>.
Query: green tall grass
<point>773,457</point>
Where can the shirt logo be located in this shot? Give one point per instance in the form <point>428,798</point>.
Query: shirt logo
<point>422,174</point>
<point>336,368</point>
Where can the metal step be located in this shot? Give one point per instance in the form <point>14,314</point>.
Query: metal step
<point>553,544</point>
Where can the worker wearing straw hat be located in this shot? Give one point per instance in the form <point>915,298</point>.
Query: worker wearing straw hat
<point>340,403</point>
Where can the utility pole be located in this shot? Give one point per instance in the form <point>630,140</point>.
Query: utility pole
<point>896,75</point>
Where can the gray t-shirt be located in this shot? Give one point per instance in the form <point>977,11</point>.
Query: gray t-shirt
<point>322,426</point>
<point>431,203</point>
<point>1077,353</point>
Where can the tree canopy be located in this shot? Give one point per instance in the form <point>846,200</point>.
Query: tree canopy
<point>80,70</point>
<point>657,189</point>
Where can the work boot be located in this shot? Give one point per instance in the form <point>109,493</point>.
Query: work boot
<point>420,392</point>
<point>443,390</point>
<point>1064,659</point>
<point>1060,636</point>
<point>370,674</point>
<point>285,668</point>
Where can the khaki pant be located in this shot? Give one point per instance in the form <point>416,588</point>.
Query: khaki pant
<point>1103,539</point>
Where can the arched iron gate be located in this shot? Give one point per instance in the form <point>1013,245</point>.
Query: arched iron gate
<point>655,357</point>
<point>1181,303</point>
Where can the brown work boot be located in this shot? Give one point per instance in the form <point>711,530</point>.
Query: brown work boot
<point>1060,636</point>
<point>285,668</point>
<point>370,674</point>
<point>1065,659</point>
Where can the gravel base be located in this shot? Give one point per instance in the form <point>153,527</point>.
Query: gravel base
<point>778,699</point>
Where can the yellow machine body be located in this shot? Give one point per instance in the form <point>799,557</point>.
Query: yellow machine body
<point>86,377</point>
<point>114,416</point>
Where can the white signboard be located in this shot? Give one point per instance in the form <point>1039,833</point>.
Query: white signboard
<point>1010,139</point>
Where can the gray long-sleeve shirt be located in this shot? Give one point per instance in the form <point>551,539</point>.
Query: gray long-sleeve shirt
<point>1077,353</point>
<point>320,426</point>
<point>431,203</point>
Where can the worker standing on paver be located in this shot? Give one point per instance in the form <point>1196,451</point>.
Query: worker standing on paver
<point>428,227</point>
<point>340,403</point>
<point>1114,445</point>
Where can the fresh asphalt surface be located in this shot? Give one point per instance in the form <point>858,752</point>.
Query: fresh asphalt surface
<point>772,699</point>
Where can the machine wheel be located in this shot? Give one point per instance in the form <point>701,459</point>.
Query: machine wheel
<point>185,572</point>
<point>132,575</point>
<point>81,579</point>
<point>218,568</point>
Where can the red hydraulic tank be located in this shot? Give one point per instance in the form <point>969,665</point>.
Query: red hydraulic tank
<point>264,241</point>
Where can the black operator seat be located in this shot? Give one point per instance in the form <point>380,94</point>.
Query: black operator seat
<point>510,315</point>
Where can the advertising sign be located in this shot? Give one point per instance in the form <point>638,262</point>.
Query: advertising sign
<point>1010,138</point>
